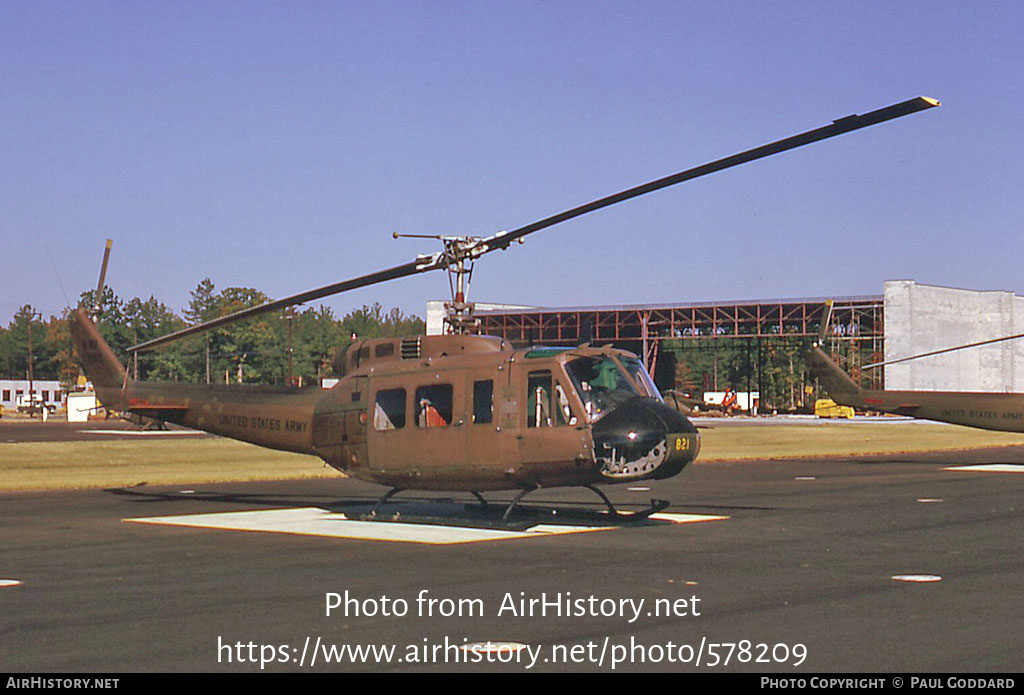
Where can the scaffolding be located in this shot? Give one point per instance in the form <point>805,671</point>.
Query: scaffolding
<point>855,335</point>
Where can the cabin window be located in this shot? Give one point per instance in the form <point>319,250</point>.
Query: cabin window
<point>7,394</point>
<point>46,396</point>
<point>540,411</point>
<point>434,405</point>
<point>389,410</point>
<point>483,402</point>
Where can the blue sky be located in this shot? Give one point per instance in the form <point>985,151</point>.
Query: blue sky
<point>278,145</point>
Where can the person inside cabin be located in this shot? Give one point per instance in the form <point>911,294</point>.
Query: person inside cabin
<point>429,415</point>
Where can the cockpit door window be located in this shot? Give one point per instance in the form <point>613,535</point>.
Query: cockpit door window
<point>483,401</point>
<point>547,404</point>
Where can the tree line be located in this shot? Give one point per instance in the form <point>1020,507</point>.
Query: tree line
<point>256,350</point>
<point>778,367</point>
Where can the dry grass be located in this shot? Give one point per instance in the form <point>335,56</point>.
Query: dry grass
<point>55,465</point>
<point>806,441</point>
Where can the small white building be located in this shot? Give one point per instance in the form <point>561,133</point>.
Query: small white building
<point>11,389</point>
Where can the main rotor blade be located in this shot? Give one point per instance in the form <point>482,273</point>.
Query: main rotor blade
<point>418,266</point>
<point>503,239</point>
<point>838,127</point>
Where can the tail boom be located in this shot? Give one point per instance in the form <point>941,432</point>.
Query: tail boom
<point>274,417</point>
<point>991,411</point>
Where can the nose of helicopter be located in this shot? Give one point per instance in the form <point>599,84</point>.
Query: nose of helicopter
<point>644,438</point>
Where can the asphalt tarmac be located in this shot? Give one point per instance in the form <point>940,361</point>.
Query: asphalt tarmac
<point>797,579</point>
<point>16,430</point>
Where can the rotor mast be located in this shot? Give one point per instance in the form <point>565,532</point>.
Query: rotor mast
<point>458,257</point>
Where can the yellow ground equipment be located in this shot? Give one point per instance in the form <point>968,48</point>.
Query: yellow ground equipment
<point>826,407</point>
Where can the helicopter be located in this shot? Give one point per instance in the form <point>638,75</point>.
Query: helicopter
<point>456,412</point>
<point>1002,412</point>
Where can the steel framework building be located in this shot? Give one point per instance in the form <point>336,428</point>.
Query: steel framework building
<point>855,333</point>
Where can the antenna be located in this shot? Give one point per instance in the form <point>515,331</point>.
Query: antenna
<point>67,302</point>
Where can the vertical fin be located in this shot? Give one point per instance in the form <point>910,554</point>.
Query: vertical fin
<point>99,362</point>
<point>101,365</point>
<point>835,379</point>
<point>98,359</point>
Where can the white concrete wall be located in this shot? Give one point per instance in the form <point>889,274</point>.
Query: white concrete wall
<point>923,318</point>
<point>435,316</point>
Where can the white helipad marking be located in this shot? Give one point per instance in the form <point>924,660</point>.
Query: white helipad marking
<point>9,582</point>
<point>990,468</point>
<point>917,578</point>
<point>686,518</point>
<point>805,477</point>
<point>930,499</point>
<point>313,521</point>
<point>638,489</point>
<point>147,433</point>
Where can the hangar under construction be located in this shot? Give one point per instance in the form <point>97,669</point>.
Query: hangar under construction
<point>757,345</point>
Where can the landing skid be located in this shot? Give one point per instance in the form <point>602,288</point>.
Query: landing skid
<point>514,514</point>
<point>656,505</point>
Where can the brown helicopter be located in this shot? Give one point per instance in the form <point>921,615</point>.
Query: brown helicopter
<point>456,412</point>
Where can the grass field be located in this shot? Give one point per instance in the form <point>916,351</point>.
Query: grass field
<point>55,465</point>
<point>812,441</point>
<point>120,463</point>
